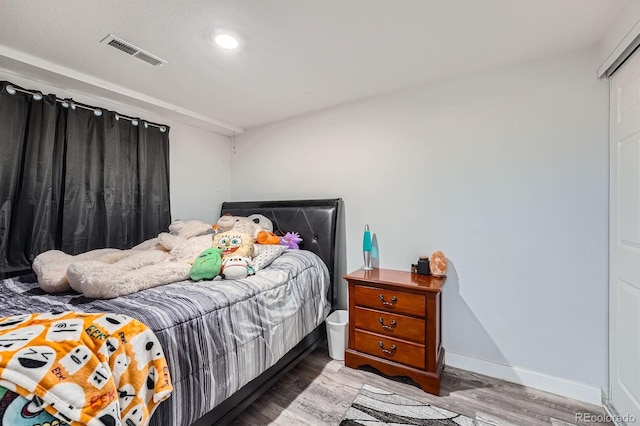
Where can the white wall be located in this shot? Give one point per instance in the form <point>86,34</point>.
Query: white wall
<point>199,159</point>
<point>200,173</point>
<point>506,172</point>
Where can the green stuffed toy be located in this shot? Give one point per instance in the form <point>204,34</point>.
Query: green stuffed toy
<point>207,266</point>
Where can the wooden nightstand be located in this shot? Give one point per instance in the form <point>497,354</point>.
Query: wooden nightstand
<point>395,325</point>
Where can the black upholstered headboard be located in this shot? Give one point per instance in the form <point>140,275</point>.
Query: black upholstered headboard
<point>317,222</point>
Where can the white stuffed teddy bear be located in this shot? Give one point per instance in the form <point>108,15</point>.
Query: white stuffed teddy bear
<point>251,225</point>
<point>140,271</point>
<point>56,269</point>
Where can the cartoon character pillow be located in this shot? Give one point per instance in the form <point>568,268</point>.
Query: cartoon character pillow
<point>234,244</point>
<point>237,267</point>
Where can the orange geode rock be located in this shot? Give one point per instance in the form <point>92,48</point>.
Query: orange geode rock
<point>438,264</point>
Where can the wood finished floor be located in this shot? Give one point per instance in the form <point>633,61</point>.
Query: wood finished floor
<point>319,390</point>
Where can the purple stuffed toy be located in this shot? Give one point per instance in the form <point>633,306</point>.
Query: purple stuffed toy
<point>291,240</point>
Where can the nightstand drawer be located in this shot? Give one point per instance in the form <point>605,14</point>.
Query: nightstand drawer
<point>392,349</point>
<point>393,325</point>
<point>390,300</point>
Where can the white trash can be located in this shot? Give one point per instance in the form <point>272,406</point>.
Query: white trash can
<point>337,333</point>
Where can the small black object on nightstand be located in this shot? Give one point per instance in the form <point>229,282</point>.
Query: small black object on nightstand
<point>423,266</point>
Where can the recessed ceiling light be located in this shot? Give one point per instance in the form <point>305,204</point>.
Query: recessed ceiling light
<point>226,41</point>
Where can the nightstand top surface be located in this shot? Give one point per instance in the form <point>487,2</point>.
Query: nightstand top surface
<point>397,278</point>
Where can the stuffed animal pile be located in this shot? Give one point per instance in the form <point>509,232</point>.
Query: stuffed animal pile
<point>237,236</point>
<point>190,250</point>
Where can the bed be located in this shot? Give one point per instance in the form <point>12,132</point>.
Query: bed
<point>226,343</point>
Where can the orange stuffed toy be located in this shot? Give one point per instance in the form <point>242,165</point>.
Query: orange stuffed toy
<point>266,237</point>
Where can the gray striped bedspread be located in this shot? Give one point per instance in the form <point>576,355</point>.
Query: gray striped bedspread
<point>217,335</point>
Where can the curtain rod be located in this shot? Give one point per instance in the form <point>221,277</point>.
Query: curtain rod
<point>69,103</point>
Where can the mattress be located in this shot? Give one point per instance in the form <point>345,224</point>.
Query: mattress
<point>216,335</point>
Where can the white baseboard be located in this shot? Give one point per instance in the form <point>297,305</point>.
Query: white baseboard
<point>533,379</point>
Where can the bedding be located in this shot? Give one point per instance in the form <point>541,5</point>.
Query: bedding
<point>217,336</point>
<point>97,369</point>
<point>16,410</point>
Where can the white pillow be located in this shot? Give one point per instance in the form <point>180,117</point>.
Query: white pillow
<point>264,254</point>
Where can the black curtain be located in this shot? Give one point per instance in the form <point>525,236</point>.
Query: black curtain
<point>74,181</point>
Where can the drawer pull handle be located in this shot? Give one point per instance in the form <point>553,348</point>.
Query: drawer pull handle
<point>393,300</point>
<point>391,350</point>
<point>391,326</point>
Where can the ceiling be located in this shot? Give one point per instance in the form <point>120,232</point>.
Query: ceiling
<point>296,56</point>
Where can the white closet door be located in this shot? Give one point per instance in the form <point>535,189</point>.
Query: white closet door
<point>624,279</point>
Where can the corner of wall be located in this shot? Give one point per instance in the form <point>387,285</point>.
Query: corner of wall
<point>622,37</point>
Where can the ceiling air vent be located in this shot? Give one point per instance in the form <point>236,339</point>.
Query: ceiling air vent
<point>132,50</point>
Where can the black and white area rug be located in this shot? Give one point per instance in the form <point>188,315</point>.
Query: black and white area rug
<point>376,407</point>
